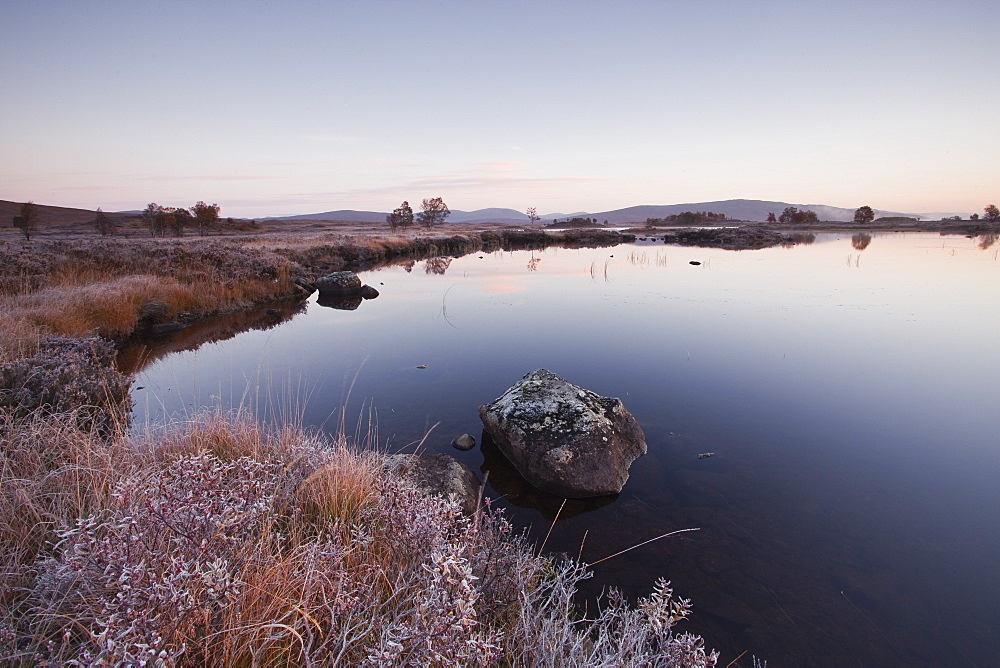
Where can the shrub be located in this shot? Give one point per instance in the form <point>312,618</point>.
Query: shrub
<point>66,375</point>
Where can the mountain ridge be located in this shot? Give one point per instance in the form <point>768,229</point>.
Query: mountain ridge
<point>735,209</point>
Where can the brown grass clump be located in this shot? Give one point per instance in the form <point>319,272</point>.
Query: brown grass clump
<point>220,542</point>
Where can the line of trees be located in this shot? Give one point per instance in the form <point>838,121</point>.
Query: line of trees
<point>433,212</point>
<point>161,219</point>
<point>794,216</point>
<point>688,218</point>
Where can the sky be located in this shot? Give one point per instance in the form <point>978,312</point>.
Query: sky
<point>304,106</point>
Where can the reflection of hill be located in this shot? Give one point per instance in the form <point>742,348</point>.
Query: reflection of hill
<point>139,353</point>
<point>511,485</point>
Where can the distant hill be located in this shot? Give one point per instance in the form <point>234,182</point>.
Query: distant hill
<point>737,209</point>
<point>491,215</point>
<point>343,214</point>
<point>47,215</point>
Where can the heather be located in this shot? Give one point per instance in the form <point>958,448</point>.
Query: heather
<point>68,376</point>
<point>219,541</point>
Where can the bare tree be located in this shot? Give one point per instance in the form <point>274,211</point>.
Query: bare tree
<point>434,212</point>
<point>103,223</point>
<point>177,220</point>
<point>401,217</point>
<point>153,219</point>
<point>533,215</point>
<point>27,222</point>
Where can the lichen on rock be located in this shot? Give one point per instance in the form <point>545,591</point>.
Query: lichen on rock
<point>564,439</point>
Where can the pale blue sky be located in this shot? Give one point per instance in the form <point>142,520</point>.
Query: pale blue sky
<point>306,106</point>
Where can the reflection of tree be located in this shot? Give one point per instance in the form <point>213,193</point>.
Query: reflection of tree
<point>987,240</point>
<point>861,241</point>
<point>533,262</point>
<point>800,238</point>
<point>437,265</point>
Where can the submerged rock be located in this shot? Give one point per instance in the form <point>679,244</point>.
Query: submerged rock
<point>440,475</point>
<point>464,442</point>
<point>165,328</point>
<point>564,439</point>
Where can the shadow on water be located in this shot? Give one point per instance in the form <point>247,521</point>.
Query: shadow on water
<point>145,349</point>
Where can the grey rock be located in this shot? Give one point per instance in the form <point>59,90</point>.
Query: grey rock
<point>368,292</point>
<point>563,439</point>
<point>439,475</point>
<point>339,283</point>
<point>464,442</point>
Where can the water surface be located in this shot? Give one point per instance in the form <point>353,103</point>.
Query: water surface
<point>849,391</point>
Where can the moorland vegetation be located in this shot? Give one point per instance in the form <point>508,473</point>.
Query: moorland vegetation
<point>218,540</point>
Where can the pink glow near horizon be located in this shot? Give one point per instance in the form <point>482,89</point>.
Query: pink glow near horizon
<point>303,108</point>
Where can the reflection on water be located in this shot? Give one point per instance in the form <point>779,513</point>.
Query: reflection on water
<point>861,241</point>
<point>849,513</point>
<point>139,355</point>
<point>437,265</point>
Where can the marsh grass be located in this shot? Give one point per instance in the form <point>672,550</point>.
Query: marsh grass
<point>219,541</point>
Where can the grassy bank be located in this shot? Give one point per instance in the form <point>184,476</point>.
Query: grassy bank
<point>221,542</point>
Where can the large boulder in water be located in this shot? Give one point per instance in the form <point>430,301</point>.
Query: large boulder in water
<point>564,439</point>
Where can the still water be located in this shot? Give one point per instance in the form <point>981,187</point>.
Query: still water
<point>848,388</point>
